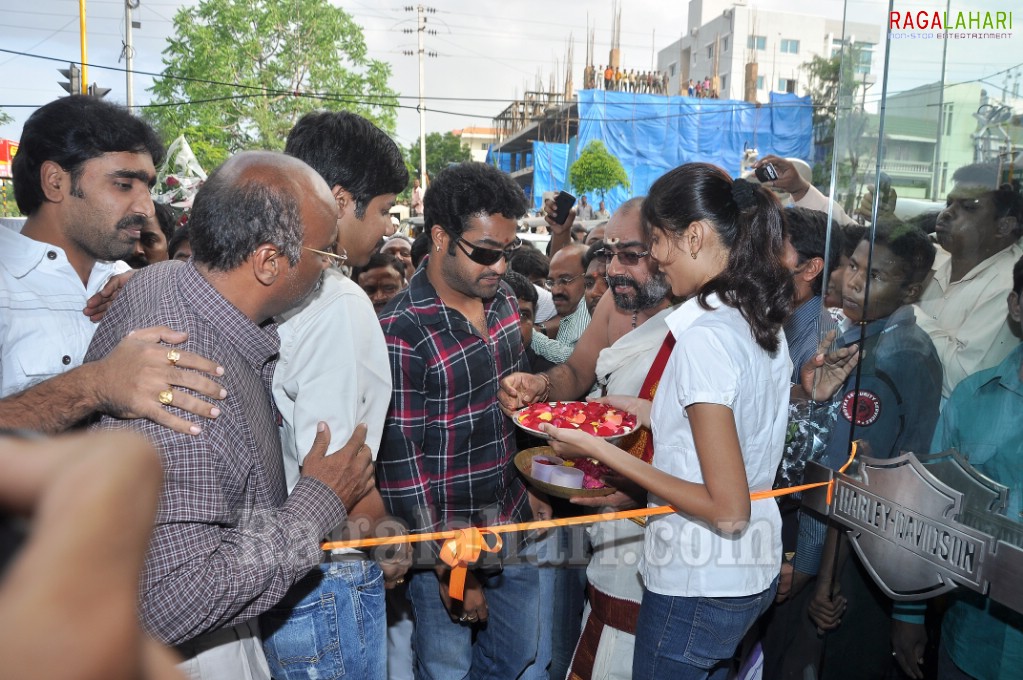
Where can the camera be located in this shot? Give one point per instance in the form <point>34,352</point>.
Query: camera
<point>766,173</point>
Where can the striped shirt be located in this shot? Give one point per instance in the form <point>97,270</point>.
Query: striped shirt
<point>559,349</point>
<point>228,540</point>
<point>448,449</point>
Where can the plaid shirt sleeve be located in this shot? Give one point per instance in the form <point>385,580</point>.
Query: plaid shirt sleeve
<point>403,482</point>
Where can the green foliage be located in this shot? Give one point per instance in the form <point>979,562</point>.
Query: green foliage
<point>238,74</point>
<point>597,171</point>
<point>5,118</point>
<point>441,151</point>
<point>830,87</point>
<point>8,207</point>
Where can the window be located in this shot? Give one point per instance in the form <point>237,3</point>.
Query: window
<point>484,146</point>
<point>786,85</point>
<point>724,87</point>
<point>790,46</point>
<point>948,119</point>
<point>760,82</point>
<point>724,44</point>
<point>756,42</point>
<point>671,69</point>
<point>710,51</point>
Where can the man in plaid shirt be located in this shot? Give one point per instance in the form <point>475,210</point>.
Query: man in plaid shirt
<point>446,457</point>
<point>228,540</point>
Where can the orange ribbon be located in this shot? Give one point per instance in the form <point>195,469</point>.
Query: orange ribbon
<point>462,550</point>
<point>462,547</point>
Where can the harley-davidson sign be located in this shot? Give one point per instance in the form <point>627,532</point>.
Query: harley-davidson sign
<point>906,526</point>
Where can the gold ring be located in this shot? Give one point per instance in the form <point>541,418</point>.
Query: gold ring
<point>174,356</point>
<point>166,397</point>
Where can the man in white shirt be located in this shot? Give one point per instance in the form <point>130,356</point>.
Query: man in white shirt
<point>82,175</point>
<point>334,367</point>
<point>584,211</point>
<point>417,198</point>
<point>963,306</point>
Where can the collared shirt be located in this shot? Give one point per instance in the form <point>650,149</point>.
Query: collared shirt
<point>228,540</point>
<point>43,332</point>
<point>545,309</point>
<point>448,449</point>
<point>982,421</point>
<point>804,329</point>
<point>890,402</point>
<point>717,361</point>
<point>966,319</point>
<point>333,367</point>
<point>559,349</point>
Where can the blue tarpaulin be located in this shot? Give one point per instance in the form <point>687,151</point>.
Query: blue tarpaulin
<point>651,134</point>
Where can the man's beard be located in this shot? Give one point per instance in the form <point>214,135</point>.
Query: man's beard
<point>648,295</point>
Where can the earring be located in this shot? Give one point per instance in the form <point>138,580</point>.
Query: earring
<point>693,253</point>
<point>437,248</point>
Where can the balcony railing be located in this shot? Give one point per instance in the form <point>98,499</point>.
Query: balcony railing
<point>894,167</point>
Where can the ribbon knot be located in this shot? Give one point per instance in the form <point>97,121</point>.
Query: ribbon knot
<point>461,551</point>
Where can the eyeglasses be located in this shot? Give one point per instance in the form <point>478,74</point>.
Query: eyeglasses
<point>336,260</point>
<point>486,256</point>
<point>561,281</point>
<point>626,257</point>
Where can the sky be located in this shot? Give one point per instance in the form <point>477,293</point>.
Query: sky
<point>488,52</point>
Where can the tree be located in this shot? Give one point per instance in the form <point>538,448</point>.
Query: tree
<point>597,171</point>
<point>238,74</point>
<point>5,118</point>
<point>441,151</point>
<point>832,90</point>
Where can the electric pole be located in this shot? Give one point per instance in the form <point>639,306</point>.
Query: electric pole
<point>129,51</point>
<point>421,12</point>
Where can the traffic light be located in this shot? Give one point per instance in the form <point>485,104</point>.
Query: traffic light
<point>98,92</point>
<point>74,79</point>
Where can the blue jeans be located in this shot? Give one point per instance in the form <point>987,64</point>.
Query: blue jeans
<point>331,624</point>
<point>499,649</point>
<point>692,638</point>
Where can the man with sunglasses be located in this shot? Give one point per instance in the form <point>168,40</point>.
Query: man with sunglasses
<point>567,284</point>
<point>446,457</point>
<point>618,349</point>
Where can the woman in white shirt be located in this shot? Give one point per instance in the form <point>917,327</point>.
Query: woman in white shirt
<point>718,420</point>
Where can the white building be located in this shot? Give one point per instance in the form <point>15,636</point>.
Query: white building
<point>723,36</point>
<point>478,140</point>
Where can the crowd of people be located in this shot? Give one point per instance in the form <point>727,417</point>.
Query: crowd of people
<point>617,79</point>
<point>300,373</point>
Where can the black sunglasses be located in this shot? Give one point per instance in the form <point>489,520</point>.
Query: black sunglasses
<point>486,256</point>
<point>626,257</point>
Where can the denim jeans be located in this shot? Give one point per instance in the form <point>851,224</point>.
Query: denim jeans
<point>331,624</point>
<point>499,649</point>
<point>545,550</point>
<point>692,638</point>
